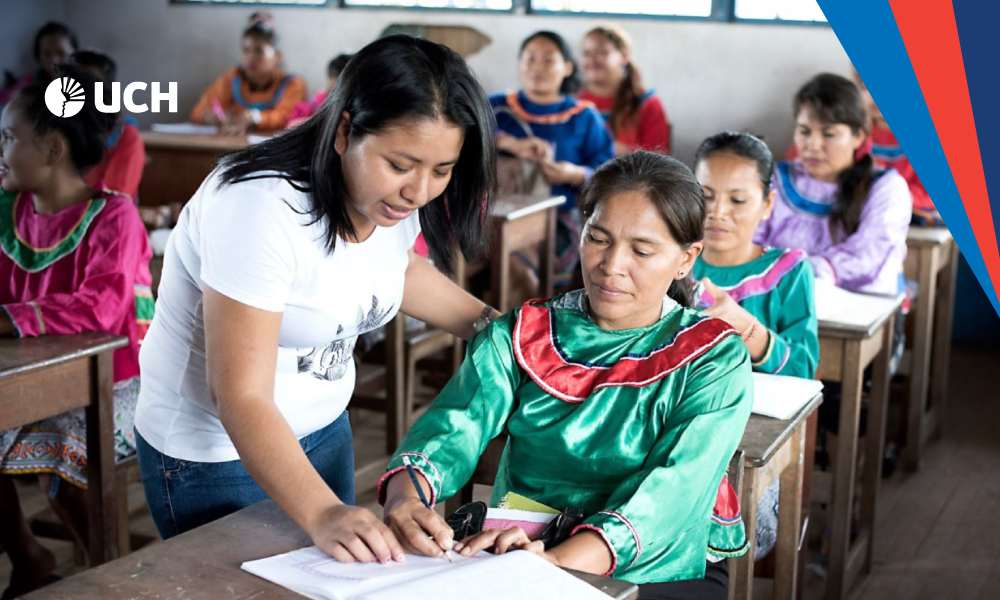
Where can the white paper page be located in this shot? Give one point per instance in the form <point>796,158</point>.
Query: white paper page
<point>835,305</point>
<point>311,572</point>
<point>513,514</point>
<point>185,128</point>
<point>513,576</point>
<point>781,396</point>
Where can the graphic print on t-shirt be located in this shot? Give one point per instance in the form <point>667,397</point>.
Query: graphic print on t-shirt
<point>330,362</point>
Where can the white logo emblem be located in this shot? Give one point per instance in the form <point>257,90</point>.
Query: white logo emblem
<point>64,97</point>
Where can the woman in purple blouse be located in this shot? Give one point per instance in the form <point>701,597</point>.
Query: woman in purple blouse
<point>832,202</point>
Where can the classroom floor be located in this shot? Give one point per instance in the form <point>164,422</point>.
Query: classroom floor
<point>937,535</point>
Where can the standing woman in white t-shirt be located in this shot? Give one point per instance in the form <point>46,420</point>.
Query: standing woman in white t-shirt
<point>287,252</point>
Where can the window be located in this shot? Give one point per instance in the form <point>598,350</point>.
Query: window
<point>271,2</point>
<point>779,10</point>
<point>660,8</point>
<point>457,4</point>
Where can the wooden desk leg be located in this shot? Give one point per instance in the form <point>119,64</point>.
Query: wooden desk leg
<point>923,319</point>
<point>395,372</point>
<point>500,264</point>
<point>786,567</point>
<point>101,502</point>
<point>547,259</point>
<point>875,439</point>
<point>741,569</point>
<point>942,336</point>
<point>808,463</point>
<point>843,475</point>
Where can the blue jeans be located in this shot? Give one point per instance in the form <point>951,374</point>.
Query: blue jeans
<point>184,494</point>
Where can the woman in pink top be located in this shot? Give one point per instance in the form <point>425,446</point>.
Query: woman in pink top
<point>72,259</point>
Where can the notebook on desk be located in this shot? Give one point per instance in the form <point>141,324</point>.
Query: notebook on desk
<point>185,128</point>
<point>838,306</point>
<point>515,576</point>
<point>781,396</point>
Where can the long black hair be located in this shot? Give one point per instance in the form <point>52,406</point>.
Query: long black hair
<point>672,188</point>
<point>629,95</point>
<point>571,83</point>
<point>834,99</point>
<point>390,80</point>
<point>742,144</point>
<point>85,132</point>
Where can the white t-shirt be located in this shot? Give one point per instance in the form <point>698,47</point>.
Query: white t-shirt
<point>253,242</point>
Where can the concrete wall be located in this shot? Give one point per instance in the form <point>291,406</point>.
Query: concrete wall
<point>711,76</point>
<point>19,19</point>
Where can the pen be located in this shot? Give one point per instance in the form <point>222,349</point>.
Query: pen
<point>423,499</point>
<point>217,110</point>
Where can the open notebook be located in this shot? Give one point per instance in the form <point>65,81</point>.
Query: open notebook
<point>836,305</point>
<point>515,576</point>
<point>781,396</point>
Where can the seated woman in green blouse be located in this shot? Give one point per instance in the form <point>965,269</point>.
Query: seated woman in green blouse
<point>765,293</point>
<point>619,401</point>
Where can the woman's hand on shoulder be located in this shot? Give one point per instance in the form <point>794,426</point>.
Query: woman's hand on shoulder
<point>354,534</point>
<point>726,308</point>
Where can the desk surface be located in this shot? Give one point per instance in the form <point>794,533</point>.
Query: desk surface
<point>764,435</point>
<point>19,356</point>
<point>927,236</point>
<point>516,206</point>
<point>858,331</point>
<point>205,564</point>
<point>186,141</point>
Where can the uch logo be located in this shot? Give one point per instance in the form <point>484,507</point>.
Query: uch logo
<point>64,97</point>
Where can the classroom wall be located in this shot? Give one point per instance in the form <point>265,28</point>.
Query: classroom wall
<point>711,76</point>
<point>19,19</point>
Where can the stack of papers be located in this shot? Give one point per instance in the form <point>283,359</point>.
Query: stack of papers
<point>185,128</point>
<point>781,396</point>
<point>835,305</point>
<point>516,576</point>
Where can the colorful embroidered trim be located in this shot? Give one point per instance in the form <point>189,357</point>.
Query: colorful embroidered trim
<point>796,199</point>
<point>537,352</point>
<point>33,259</point>
<point>554,119</point>
<point>267,105</point>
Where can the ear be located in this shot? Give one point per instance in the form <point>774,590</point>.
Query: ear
<point>691,254</point>
<point>54,148</point>
<point>858,139</point>
<point>342,137</point>
<point>769,203</point>
<point>568,68</point>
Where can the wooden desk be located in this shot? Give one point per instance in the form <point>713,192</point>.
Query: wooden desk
<point>932,260</point>
<point>204,563</point>
<point>773,450</point>
<point>845,352</point>
<point>46,376</point>
<point>178,163</point>
<point>520,222</point>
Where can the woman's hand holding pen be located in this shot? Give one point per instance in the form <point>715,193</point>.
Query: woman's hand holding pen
<point>563,172</point>
<point>354,534</point>
<point>417,526</point>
